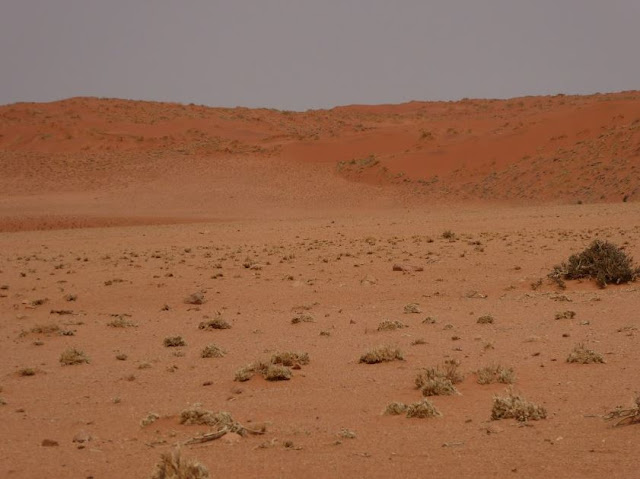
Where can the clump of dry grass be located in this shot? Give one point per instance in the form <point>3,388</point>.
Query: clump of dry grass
<point>625,416</point>
<point>222,421</point>
<point>277,372</point>
<point>381,354</point>
<point>422,409</point>
<point>216,323</point>
<point>388,325</point>
<point>395,409</point>
<point>276,369</point>
<point>196,415</point>
<point>73,356</point>
<point>195,298</point>
<point>582,355</point>
<point>412,308</point>
<point>439,380</point>
<point>602,261</point>
<point>149,419</point>
<point>212,351</point>
<point>486,319</point>
<point>27,372</point>
<point>565,315</point>
<point>302,318</point>
<point>516,407</point>
<point>121,321</point>
<point>173,466</point>
<point>45,328</point>
<point>290,358</point>
<point>495,374</point>
<point>174,341</point>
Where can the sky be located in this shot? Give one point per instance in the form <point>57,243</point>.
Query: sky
<point>310,54</point>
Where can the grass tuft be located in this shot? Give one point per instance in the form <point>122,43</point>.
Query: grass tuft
<point>173,466</point>
<point>439,380</point>
<point>495,374</point>
<point>388,325</point>
<point>582,355</point>
<point>212,351</point>
<point>73,356</point>
<point>516,407</point>
<point>381,354</point>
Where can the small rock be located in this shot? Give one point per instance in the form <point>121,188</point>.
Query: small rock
<point>49,443</point>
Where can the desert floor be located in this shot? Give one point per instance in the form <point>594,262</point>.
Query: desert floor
<point>105,234</point>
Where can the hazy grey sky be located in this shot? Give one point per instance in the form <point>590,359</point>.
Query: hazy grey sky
<point>303,54</point>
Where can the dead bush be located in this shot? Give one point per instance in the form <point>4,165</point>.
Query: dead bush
<point>422,409</point>
<point>212,351</point>
<point>173,466</point>
<point>439,380</point>
<point>495,374</point>
<point>516,407</point>
<point>625,416</point>
<point>602,261</point>
<point>381,354</point>
<point>388,325</point>
<point>73,356</point>
<point>582,355</point>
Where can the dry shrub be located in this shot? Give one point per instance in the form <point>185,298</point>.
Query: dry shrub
<point>582,355</point>
<point>486,319</point>
<point>602,261</point>
<point>302,318</point>
<point>289,358</point>
<point>439,380</point>
<point>174,341</point>
<point>516,407</point>
<point>626,416</point>
<point>73,356</point>
<point>196,415</point>
<point>395,409</point>
<point>212,351</point>
<point>495,374</point>
<point>245,373</point>
<point>149,419</point>
<point>216,323</point>
<point>381,354</point>
<point>121,322</point>
<point>173,466</point>
<point>422,409</point>
<point>45,328</point>
<point>277,372</point>
<point>220,421</point>
<point>565,315</point>
<point>276,369</point>
<point>412,308</point>
<point>195,298</point>
<point>388,325</point>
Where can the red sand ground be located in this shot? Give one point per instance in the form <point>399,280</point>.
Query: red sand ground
<point>269,213</point>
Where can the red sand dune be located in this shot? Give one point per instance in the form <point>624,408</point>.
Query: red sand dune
<point>99,158</point>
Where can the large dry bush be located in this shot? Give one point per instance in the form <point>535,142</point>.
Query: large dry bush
<point>602,261</point>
